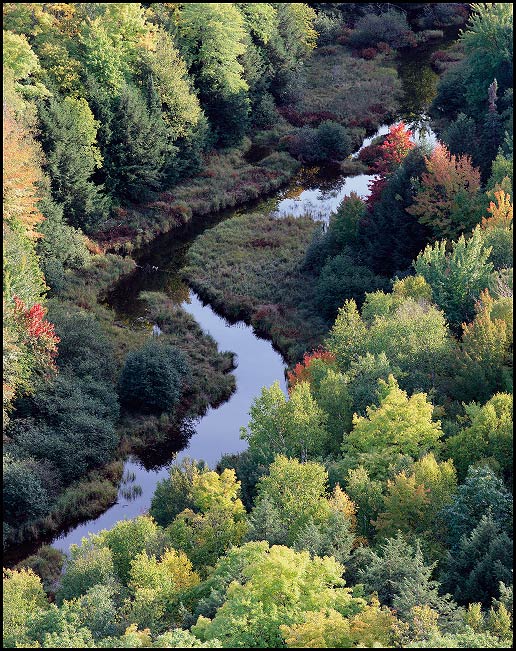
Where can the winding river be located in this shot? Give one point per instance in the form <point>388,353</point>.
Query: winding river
<point>316,192</point>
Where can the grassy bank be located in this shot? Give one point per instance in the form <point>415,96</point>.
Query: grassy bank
<point>249,268</point>
<point>228,180</point>
<point>337,85</point>
<point>209,383</point>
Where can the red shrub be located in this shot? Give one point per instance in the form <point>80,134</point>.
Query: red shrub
<point>301,371</point>
<point>368,53</point>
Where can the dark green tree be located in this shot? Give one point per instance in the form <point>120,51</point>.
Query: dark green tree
<point>152,378</point>
<point>69,133</point>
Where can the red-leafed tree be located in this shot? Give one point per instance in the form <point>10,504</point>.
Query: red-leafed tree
<point>37,334</point>
<point>392,151</point>
<point>301,371</point>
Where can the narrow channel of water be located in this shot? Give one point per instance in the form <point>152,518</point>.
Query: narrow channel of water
<point>315,191</point>
<point>217,432</point>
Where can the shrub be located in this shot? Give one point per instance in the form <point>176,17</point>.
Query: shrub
<point>152,378</point>
<point>368,53</point>
<point>328,141</point>
<point>24,496</point>
<point>327,28</point>
<point>390,27</point>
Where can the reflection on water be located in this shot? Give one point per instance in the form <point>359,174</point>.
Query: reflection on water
<point>258,365</point>
<point>320,201</point>
<point>317,191</point>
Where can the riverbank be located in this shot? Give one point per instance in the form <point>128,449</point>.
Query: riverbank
<point>334,85</point>
<point>281,312</point>
<point>250,268</point>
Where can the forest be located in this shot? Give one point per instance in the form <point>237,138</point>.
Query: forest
<point>257,298</point>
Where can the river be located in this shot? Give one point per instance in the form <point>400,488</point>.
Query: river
<point>317,192</point>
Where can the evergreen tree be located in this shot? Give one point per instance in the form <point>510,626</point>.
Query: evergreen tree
<point>69,140</point>
<point>481,560</point>
<point>138,146</point>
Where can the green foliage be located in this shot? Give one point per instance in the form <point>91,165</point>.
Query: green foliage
<point>456,277</point>
<point>87,567</point>
<point>72,156</point>
<point>23,597</point>
<point>24,494</point>
<point>152,378</point>
<point>487,438</point>
<point>398,573</point>
<point>138,145</point>
<point>127,539</point>
<point>340,279</point>
<point>295,427</point>
<point>212,38</point>
<point>481,491</point>
<point>277,588</point>
<point>390,27</point>
<point>174,494</point>
<point>398,425</point>
<point>70,420</point>
<point>481,560</point>
<point>214,522</point>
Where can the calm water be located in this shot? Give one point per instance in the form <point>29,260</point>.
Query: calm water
<point>258,365</point>
<point>317,191</point>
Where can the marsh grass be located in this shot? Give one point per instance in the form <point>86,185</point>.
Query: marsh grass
<point>249,268</point>
<point>226,181</point>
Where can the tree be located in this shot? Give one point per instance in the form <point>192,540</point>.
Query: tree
<point>212,39</point>
<point>363,376</point>
<point>72,156</point>
<point>126,540</point>
<point>461,138</point>
<point>138,145</point>
<point>348,335</point>
<point>174,494</point>
<point>388,570</point>
<point>152,378</point>
<point>342,278</point>
<point>216,520</point>
<point>367,494</point>
<point>448,200</point>
<point>25,497</point>
<point>87,566</point>
<point>457,277</point>
<point>277,588</point>
<point>488,43</point>
<point>485,365</point>
<point>481,560</point>
<point>414,499</point>
<point>297,490</point>
<point>389,237</point>
<point>344,223</point>
<point>488,437</point>
<point>481,491</point>
<point>399,425</point>
<point>23,597</point>
<point>279,426</point>
<point>156,586</point>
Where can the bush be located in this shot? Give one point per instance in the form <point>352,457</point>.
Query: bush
<point>152,378</point>
<point>24,496</point>
<point>390,27</point>
<point>327,28</point>
<point>368,53</point>
<point>341,278</point>
<point>329,141</point>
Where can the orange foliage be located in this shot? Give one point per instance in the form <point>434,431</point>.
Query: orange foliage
<point>22,172</point>
<point>501,212</point>
<point>301,371</point>
<point>449,197</point>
